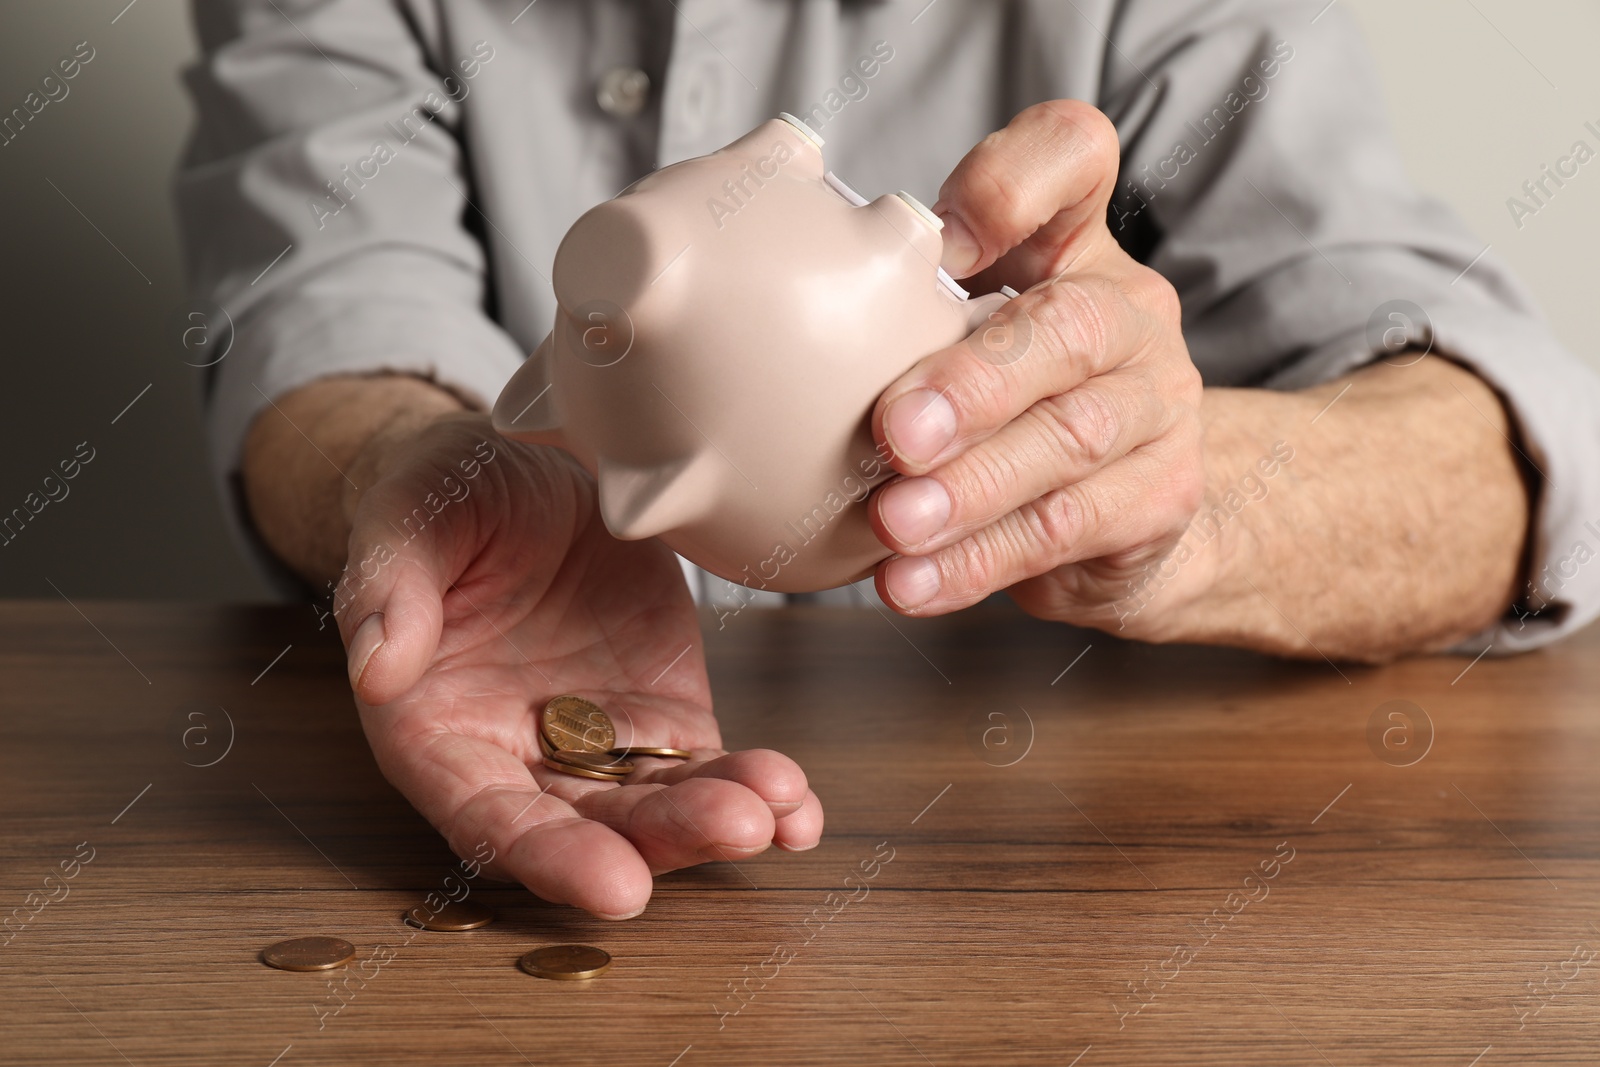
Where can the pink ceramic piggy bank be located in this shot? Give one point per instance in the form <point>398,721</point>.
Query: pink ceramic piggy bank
<point>726,325</point>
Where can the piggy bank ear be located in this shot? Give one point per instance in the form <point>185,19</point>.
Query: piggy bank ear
<point>784,142</point>
<point>807,143</point>
<point>640,502</point>
<point>525,410</point>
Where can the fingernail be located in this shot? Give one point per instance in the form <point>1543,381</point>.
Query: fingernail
<point>919,425</point>
<point>798,848</point>
<point>912,581</point>
<point>619,917</point>
<point>367,640</point>
<point>914,509</point>
<point>729,853</point>
<point>961,249</point>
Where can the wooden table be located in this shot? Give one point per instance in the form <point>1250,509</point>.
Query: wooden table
<point>1194,856</point>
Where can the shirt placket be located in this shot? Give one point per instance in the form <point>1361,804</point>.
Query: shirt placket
<point>702,81</point>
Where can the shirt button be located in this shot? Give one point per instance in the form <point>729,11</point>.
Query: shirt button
<point>622,92</point>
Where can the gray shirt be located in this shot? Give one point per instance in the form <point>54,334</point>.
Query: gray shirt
<point>380,185</point>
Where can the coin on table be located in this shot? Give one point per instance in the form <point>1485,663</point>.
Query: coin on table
<point>589,765</point>
<point>566,963</point>
<point>573,724</point>
<point>454,915</point>
<point>308,954</point>
<point>626,751</point>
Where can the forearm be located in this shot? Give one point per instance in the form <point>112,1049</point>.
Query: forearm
<point>1396,527</point>
<point>307,458</point>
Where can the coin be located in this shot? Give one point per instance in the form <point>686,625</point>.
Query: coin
<point>454,915</point>
<point>603,762</point>
<point>579,772</point>
<point>566,963</point>
<point>589,765</point>
<point>659,753</point>
<point>308,954</point>
<point>573,724</point>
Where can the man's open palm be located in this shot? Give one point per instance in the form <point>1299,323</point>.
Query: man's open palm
<point>513,593</point>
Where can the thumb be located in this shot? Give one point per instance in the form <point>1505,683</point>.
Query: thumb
<point>393,611</point>
<point>1047,176</point>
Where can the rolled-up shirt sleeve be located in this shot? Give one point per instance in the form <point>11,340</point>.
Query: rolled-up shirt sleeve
<point>321,203</point>
<point>1259,175</point>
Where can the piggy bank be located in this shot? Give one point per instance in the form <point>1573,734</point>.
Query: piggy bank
<point>725,327</point>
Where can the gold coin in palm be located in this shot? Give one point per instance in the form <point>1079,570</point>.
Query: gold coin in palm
<point>589,765</point>
<point>573,724</point>
<point>604,762</point>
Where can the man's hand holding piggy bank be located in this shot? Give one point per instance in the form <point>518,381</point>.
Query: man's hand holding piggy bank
<point>1061,460</point>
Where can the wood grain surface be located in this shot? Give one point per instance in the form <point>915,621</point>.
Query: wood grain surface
<point>1044,846</point>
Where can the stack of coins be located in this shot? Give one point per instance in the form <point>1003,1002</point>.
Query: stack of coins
<point>577,737</point>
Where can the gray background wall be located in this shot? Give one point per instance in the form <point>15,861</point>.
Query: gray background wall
<point>92,310</point>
